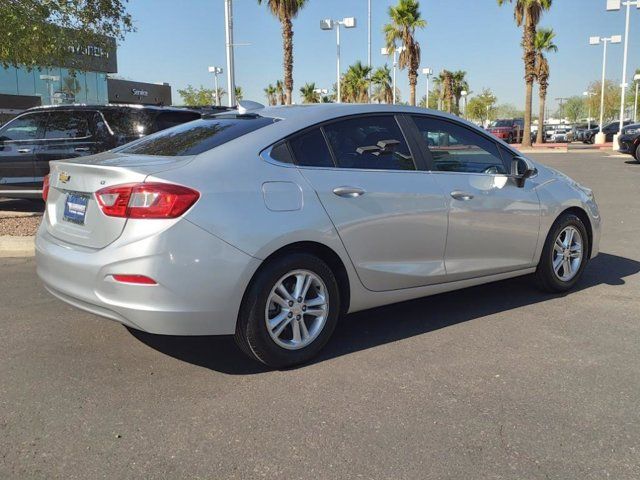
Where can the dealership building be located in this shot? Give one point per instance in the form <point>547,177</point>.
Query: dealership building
<point>84,78</point>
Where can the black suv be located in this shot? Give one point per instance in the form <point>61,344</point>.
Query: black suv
<point>609,130</point>
<point>42,134</point>
<point>630,140</point>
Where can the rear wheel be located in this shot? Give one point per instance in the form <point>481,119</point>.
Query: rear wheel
<point>564,255</point>
<point>637,153</point>
<point>289,311</point>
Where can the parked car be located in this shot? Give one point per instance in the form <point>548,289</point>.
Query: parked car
<point>508,129</point>
<point>609,130</point>
<point>42,134</point>
<point>559,135</point>
<point>630,140</point>
<point>271,223</point>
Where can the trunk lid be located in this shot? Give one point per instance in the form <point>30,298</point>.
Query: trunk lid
<point>73,213</point>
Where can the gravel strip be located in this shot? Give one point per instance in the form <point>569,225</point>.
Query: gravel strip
<point>19,226</point>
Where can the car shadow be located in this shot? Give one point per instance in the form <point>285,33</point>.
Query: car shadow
<point>632,162</point>
<point>21,205</point>
<point>379,326</point>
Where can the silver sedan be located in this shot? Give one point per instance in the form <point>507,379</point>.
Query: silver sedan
<point>271,223</point>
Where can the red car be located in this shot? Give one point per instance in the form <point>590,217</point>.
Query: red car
<point>509,129</point>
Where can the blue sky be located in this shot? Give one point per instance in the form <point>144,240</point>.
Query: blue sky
<point>175,42</point>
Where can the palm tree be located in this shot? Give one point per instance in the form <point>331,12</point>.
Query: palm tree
<point>280,92</point>
<point>381,78</point>
<point>270,92</point>
<point>543,43</point>
<point>527,14</point>
<point>310,93</point>
<point>285,10</point>
<point>405,18</point>
<point>355,83</point>
<point>239,93</point>
<point>460,85</point>
<point>444,88</point>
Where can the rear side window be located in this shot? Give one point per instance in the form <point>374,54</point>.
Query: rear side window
<point>67,124</point>
<point>310,149</point>
<point>127,122</point>
<point>196,137</point>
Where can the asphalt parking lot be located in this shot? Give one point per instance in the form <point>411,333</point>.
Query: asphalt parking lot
<point>498,381</point>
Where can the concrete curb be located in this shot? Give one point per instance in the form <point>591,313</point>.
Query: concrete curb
<point>16,246</point>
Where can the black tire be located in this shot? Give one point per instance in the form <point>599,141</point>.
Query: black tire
<point>637,153</point>
<point>546,278</point>
<point>252,335</point>
<point>510,138</point>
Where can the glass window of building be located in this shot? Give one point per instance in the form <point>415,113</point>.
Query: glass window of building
<point>8,81</point>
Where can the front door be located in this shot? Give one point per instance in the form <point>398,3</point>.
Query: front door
<point>392,218</point>
<point>493,223</point>
<point>20,139</point>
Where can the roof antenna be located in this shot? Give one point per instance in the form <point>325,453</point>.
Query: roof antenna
<point>247,106</point>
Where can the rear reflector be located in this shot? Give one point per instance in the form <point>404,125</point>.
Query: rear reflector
<point>138,279</point>
<point>45,188</point>
<point>146,200</point>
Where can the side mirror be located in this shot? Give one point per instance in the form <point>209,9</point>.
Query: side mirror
<point>521,169</point>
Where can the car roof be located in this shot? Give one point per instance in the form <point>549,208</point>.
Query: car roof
<point>109,106</point>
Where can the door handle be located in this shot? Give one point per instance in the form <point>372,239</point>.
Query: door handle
<point>348,192</point>
<point>81,149</point>
<point>24,150</point>
<point>458,195</point>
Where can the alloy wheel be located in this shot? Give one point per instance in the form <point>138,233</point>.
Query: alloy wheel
<point>567,253</point>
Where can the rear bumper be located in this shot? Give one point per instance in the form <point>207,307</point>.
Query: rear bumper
<point>201,279</point>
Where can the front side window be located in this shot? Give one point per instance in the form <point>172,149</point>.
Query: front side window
<point>369,142</point>
<point>25,127</point>
<point>455,148</point>
<point>67,124</point>
<point>195,137</point>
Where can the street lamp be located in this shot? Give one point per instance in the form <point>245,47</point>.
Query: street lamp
<point>328,24</point>
<point>427,72</point>
<point>321,92</point>
<point>396,51</point>
<point>464,94</point>
<point>611,6</point>
<point>601,137</point>
<point>589,95</point>
<point>636,78</point>
<point>50,80</point>
<point>216,71</point>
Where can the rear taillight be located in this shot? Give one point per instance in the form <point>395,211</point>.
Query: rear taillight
<point>45,188</point>
<point>146,200</point>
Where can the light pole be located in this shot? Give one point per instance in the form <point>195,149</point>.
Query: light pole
<point>589,95</point>
<point>427,72</point>
<point>50,79</point>
<point>320,92</point>
<point>328,24</point>
<point>216,71</point>
<point>228,24</point>
<point>385,51</point>
<point>369,44</point>
<point>464,94</point>
<point>636,78</point>
<point>601,137</point>
<point>616,5</point>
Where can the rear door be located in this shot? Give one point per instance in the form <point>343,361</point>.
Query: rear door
<point>19,141</point>
<point>493,223</point>
<point>391,217</point>
<point>67,135</point>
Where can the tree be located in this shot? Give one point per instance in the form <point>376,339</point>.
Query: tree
<point>310,93</point>
<point>611,99</point>
<point>280,92</point>
<point>527,14</point>
<point>47,33</point>
<point>459,84</point>
<point>543,43</point>
<point>507,110</point>
<point>239,94</point>
<point>285,11</point>
<point>381,79</point>
<point>355,83</point>
<point>433,102</point>
<point>270,92</point>
<point>574,108</point>
<point>405,19</point>
<point>197,97</point>
<point>482,107</point>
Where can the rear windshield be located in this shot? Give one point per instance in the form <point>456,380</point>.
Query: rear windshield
<point>503,123</point>
<point>196,137</point>
<point>126,122</point>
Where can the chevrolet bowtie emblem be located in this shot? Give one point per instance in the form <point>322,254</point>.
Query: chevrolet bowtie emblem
<point>64,177</point>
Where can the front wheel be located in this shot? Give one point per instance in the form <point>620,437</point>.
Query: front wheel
<point>637,154</point>
<point>289,311</point>
<point>564,255</point>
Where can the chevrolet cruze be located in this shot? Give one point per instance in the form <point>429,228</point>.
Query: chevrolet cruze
<point>271,223</point>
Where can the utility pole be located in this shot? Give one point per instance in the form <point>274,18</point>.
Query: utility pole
<point>561,100</point>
